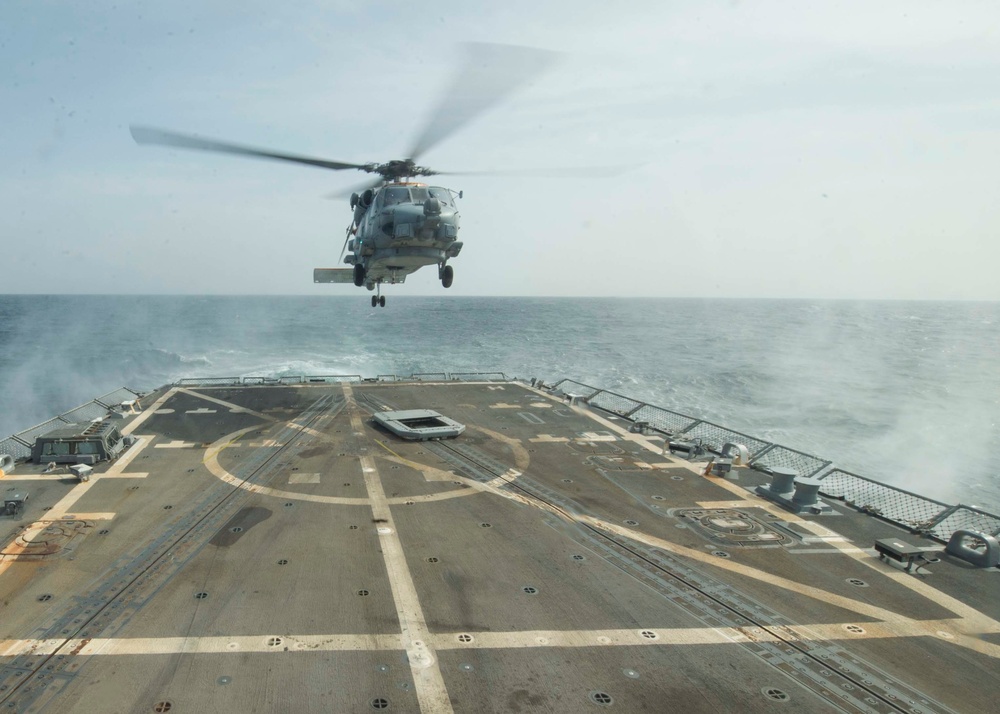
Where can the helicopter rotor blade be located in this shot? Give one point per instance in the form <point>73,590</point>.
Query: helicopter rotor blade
<point>489,73</point>
<point>551,172</point>
<point>149,135</point>
<point>357,188</point>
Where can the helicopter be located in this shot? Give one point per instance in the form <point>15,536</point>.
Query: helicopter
<point>400,225</point>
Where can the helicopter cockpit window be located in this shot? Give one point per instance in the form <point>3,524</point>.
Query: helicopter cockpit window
<point>441,194</point>
<point>418,195</point>
<point>396,195</point>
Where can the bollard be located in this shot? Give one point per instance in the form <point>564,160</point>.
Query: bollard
<point>806,492</point>
<point>783,480</point>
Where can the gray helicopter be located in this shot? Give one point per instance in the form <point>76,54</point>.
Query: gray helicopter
<point>399,225</point>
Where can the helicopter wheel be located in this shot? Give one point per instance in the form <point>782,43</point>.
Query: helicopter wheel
<point>447,276</point>
<point>374,300</point>
<point>359,275</point>
<point>381,301</point>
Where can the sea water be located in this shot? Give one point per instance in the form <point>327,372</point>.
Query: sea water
<point>904,392</point>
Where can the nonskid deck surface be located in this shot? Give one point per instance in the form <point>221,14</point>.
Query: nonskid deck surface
<point>271,549</point>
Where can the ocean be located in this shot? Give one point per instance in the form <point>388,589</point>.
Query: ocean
<point>904,392</point>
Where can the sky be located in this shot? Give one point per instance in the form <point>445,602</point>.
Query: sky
<point>777,149</point>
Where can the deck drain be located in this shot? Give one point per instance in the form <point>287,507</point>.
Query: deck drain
<point>224,680</point>
<point>190,471</point>
<point>133,488</point>
<point>857,582</point>
<point>47,508</point>
<point>353,528</point>
<point>409,503</point>
<point>289,504</point>
<point>167,508</point>
<point>775,694</point>
<point>631,673</point>
<point>630,522</point>
<point>162,707</point>
<point>380,703</point>
<point>578,557</point>
<point>465,638</point>
<point>485,525</point>
<point>720,553</point>
<point>602,698</point>
<point>235,529</point>
<point>856,629</point>
<point>274,641</point>
<point>382,667</point>
<point>649,634</point>
<point>432,559</point>
<point>201,596</point>
<point>567,480</point>
<point>282,562</point>
<point>295,468</point>
<point>363,593</point>
<point>44,598</point>
<point>676,478</point>
<point>529,590</point>
<point>658,498</point>
<point>465,667</point>
<point>346,485</point>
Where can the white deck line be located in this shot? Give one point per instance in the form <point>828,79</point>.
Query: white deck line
<point>416,638</point>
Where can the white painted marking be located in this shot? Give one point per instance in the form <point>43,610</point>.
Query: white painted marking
<point>164,411</point>
<point>201,410</point>
<point>549,439</point>
<point>597,436</point>
<point>303,478</point>
<point>176,445</point>
<point>432,694</point>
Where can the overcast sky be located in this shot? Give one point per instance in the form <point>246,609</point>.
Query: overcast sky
<point>783,149</point>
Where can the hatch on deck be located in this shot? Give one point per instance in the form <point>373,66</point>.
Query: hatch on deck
<point>419,424</point>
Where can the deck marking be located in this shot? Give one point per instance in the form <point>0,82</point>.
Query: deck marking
<point>175,444</point>
<point>202,410</point>
<point>519,639</point>
<point>229,405</point>
<point>303,478</point>
<point>416,638</point>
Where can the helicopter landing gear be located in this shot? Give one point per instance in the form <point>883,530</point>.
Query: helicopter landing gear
<point>447,275</point>
<point>374,301</point>
<point>379,299</point>
<point>359,275</point>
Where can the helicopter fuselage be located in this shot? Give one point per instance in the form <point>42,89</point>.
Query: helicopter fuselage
<point>398,229</point>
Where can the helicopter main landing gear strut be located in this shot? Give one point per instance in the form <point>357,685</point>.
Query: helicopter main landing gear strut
<point>447,275</point>
<point>378,300</point>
